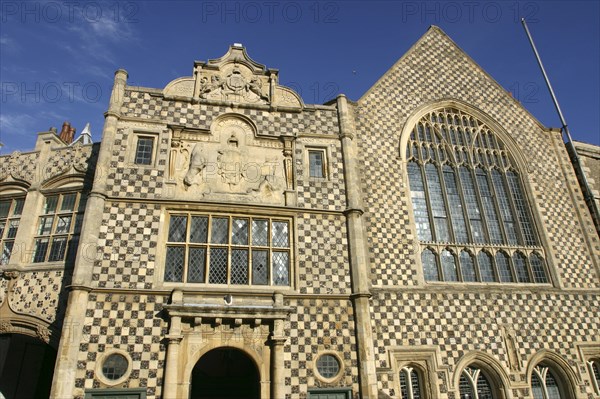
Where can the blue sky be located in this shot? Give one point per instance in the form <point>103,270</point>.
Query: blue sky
<point>57,58</point>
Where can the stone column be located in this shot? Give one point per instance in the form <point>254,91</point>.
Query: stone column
<point>277,341</point>
<point>171,384</point>
<point>359,258</point>
<point>72,332</point>
<point>277,368</point>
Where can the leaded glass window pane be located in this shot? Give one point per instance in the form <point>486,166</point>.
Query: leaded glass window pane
<point>505,209</point>
<point>58,249</point>
<point>552,386</point>
<point>18,209</point>
<point>260,267</point>
<point>522,208</point>
<point>174,264</point>
<point>466,390</point>
<point>6,252</point>
<point>239,266</point>
<point>178,229</point>
<point>224,249</point>
<point>536,387</point>
<point>488,206</point>
<point>196,265</point>
<point>537,269</point>
<point>218,265</point>
<point>430,267</point>
<point>220,230</point>
<point>484,389</point>
<point>328,366</point>
<point>456,209</point>
<point>13,226</point>
<point>316,164</point>
<point>61,218</point>
<point>50,204</point>
<point>68,202</point>
<point>280,262</point>
<point>239,231</point>
<point>437,203</point>
<point>143,153</point>
<point>419,201</point>
<point>115,366</point>
<point>521,268</point>
<point>199,229</point>
<point>486,270</point>
<point>409,384</point>
<point>63,224</point>
<point>503,268</point>
<point>449,266</point>
<point>4,208</point>
<point>260,232</point>
<point>280,234</point>
<point>470,196</point>
<point>404,383</point>
<point>45,225</point>
<point>467,267</point>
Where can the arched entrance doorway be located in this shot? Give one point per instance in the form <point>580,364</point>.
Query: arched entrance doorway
<point>26,367</point>
<point>225,373</point>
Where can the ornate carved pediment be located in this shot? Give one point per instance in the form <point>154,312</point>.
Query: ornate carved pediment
<point>236,78</point>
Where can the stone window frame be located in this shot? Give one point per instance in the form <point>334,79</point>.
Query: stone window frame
<point>5,223</point>
<point>340,373</point>
<point>210,214</point>
<point>594,370</point>
<point>508,151</point>
<point>425,360</point>
<point>100,363</point>
<point>71,236</point>
<point>324,150</point>
<point>133,143</point>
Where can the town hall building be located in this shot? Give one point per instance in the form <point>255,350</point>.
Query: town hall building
<point>429,240</point>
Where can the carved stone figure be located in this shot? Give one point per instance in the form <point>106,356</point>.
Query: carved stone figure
<point>197,163</point>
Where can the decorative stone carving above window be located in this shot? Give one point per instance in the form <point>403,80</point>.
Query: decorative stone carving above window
<point>229,163</point>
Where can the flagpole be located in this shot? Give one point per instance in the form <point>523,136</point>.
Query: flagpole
<point>575,160</point>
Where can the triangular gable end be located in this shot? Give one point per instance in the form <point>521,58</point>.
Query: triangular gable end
<point>436,68</point>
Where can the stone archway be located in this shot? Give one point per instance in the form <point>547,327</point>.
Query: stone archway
<point>225,373</point>
<point>26,367</point>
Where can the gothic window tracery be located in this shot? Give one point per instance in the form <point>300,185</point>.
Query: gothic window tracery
<point>470,209</point>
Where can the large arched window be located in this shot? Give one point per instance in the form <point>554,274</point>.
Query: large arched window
<point>470,208</point>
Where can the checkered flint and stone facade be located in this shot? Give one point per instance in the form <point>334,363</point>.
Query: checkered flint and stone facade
<point>195,188</point>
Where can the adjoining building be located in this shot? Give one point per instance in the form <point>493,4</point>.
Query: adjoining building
<point>227,240</point>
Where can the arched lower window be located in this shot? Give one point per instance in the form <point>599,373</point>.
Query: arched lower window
<point>474,384</point>
<point>410,385</point>
<point>544,384</point>
<point>470,208</point>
